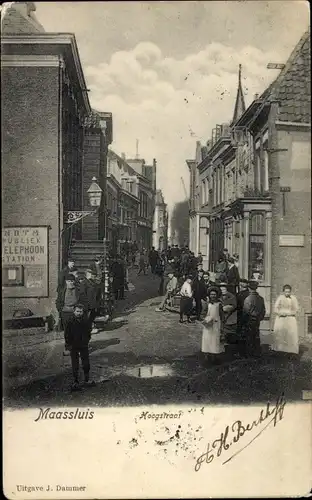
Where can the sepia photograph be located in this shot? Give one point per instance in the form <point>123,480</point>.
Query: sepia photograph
<point>156,235</point>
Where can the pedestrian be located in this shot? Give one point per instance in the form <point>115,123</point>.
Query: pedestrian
<point>285,332</point>
<point>67,297</point>
<point>221,269</point>
<point>171,289</point>
<point>199,292</point>
<point>253,314</point>
<point>186,302</point>
<point>199,259</point>
<point>236,259</point>
<point>118,275</point>
<point>153,258</point>
<point>142,264</point>
<point>90,296</point>
<point>160,271</point>
<point>232,277</point>
<point>229,319</point>
<point>68,269</point>
<point>78,338</point>
<point>211,345</point>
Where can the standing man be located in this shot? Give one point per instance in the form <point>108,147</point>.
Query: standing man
<point>65,271</point>
<point>118,273</point>
<point>90,296</point>
<point>67,297</point>
<point>199,292</point>
<point>232,277</point>
<point>186,302</point>
<point>153,257</point>
<point>78,338</point>
<point>253,314</point>
<point>241,296</point>
<point>229,322</point>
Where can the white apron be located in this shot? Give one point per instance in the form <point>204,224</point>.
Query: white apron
<point>211,331</point>
<point>285,336</point>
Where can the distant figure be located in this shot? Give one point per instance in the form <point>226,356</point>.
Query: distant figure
<point>119,276</point>
<point>171,289</point>
<point>78,338</point>
<point>90,296</point>
<point>229,318</point>
<point>253,314</point>
<point>285,327</point>
<point>199,292</point>
<point>142,264</point>
<point>65,271</point>
<point>221,269</point>
<point>186,302</point>
<point>199,259</point>
<point>232,277</point>
<point>153,258</point>
<point>211,345</point>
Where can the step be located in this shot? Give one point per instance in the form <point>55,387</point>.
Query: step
<point>86,251</point>
<point>88,243</point>
<point>83,257</point>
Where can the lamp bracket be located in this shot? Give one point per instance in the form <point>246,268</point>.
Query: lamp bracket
<point>75,216</point>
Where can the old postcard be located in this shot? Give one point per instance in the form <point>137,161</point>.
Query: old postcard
<point>156,249</point>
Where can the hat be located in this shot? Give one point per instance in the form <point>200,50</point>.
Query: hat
<point>91,271</point>
<point>243,280</point>
<point>231,260</point>
<point>222,283</point>
<point>70,277</point>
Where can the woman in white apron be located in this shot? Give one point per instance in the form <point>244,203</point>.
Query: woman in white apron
<point>211,338</point>
<point>285,336</point>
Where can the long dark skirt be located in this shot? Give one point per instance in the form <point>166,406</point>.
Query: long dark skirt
<point>230,334</point>
<point>186,305</point>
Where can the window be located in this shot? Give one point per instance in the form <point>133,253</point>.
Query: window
<point>257,171</point>
<point>257,239</point>
<point>265,167</point>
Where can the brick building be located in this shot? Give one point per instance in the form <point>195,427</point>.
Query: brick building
<point>45,112</point>
<point>254,183</point>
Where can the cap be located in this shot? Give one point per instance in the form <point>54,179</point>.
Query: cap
<point>253,284</point>
<point>243,280</point>
<point>70,277</point>
<point>90,270</point>
<point>223,283</point>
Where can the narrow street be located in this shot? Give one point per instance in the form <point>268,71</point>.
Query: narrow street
<point>142,357</point>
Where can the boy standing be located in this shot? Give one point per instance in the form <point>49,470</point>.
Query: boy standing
<point>78,338</point>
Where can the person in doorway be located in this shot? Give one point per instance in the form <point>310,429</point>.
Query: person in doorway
<point>285,330</point>
<point>90,296</point>
<point>171,289</point>
<point>199,293</point>
<point>67,297</point>
<point>211,345</point>
<point>199,259</point>
<point>232,277</point>
<point>186,302</point>
<point>78,338</point>
<point>229,319</point>
<point>253,314</point>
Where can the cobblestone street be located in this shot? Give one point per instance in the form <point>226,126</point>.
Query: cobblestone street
<point>142,357</point>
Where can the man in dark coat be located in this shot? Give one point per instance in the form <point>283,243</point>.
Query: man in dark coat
<point>199,292</point>
<point>90,295</point>
<point>65,272</point>
<point>240,297</point>
<point>78,338</point>
<point>232,277</point>
<point>229,319</point>
<point>119,275</point>
<point>253,314</point>
<point>67,297</point>
<point>153,258</point>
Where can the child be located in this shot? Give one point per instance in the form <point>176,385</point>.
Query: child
<point>78,338</point>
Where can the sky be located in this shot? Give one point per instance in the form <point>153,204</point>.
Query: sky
<point>168,71</point>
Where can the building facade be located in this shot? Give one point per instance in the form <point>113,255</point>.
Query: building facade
<point>160,226</point>
<point>44,127</point>
<point>255,185</point>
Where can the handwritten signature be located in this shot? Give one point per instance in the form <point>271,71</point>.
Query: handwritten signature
<point>232,434</point>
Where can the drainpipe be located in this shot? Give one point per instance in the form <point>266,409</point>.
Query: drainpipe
<point>274,185</point>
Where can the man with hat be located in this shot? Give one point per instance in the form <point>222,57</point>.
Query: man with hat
<point>199,292</point>
<point>232,276</point>
<point>253,314</point>
<point>90,294</point>
<point>67,297</point>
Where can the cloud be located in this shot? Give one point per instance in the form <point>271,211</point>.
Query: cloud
<point>168,103</point>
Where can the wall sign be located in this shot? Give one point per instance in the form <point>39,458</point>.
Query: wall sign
<point>25,261</point>
<point>291,240</point>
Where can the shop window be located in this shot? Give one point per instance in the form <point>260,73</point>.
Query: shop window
<point>257,238</point>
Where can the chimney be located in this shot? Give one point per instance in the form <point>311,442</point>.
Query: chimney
<point>123,156</point>
<point>154,162</point>
<point>256,96</point>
